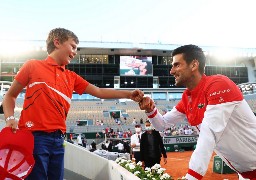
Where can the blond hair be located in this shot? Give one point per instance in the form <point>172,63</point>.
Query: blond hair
<point>62,35</point>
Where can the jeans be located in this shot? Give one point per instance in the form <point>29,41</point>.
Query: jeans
<point>48,155</point>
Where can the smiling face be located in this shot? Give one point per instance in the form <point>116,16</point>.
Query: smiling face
<point>61,45</point>
<point>64,52</point>
<point>188,65</point>
<point>182,72</point>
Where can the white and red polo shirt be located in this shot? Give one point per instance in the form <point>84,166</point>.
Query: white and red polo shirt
<point>227,125</point>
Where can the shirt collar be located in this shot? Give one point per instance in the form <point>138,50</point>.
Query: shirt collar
<point>198,87</point>
<point>52,62</point>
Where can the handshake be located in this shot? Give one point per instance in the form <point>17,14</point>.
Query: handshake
<point>145,103</point>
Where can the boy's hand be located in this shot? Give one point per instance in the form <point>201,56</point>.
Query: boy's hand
<point>137,95</point>
<point>13,124</point>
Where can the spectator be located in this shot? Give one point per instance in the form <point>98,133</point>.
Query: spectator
<point>103,132</point>
<point>188,131</point>
<point>125,135</point>
<point>70,138</point>
<point>84,142</point>
<point>103,146</point>
<point>129,132</point>
<point>134,121</point>
<point>120,147</point>
<point>107,144</point>
<point>97,122</point>
<point>181,130</point>
<point>110,146</point>
<point>135,143</point>
<point>151,147</point>
<point>107,131</point>
<point>141,121</point>
<point>101,123</point>
<point>111,130</point>
<point>93,146</point>
<point>126,146</point>
<point>120,134</point>
<point>79,140</point>
<point>98,136</point>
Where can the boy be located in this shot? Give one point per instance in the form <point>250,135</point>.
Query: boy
<point>49,88</point>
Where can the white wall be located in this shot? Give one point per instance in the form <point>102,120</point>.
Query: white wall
<point>118,172</point>
<point>85,163</point>
<point>92,166</point>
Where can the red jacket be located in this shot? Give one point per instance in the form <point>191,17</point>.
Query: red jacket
<point>227,125</point>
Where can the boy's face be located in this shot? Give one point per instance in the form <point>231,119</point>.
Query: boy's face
<point>66,51</point>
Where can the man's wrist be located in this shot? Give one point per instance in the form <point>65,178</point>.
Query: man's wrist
<point>152,114</point>
<point>10,118</point>
<point>149,111</point>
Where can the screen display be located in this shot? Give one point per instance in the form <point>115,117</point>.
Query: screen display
<point>136,66</point>
<point>115,114</point>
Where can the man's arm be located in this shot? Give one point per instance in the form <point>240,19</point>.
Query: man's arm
<point>214,123</point>
<point>9,103</point>
<point>105,93</point>
<point>163,122</point>
<point>216,117</point>
<point>133,141</point>
<point>133,144</point>
<point>160,122</point>
<point>161,144</point>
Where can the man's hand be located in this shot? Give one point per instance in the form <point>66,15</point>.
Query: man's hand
<point>147,104</point>
<point>165,160</point>
<point>143,164</point>
<point>137,95</point>
<point>13,124</point>
<point>133,145</point>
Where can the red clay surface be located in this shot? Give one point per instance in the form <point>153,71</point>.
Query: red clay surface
<point>177,166</point>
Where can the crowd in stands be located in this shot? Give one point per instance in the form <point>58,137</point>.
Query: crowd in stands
<point>122,146</point>
<point>182,129</point>
<point>121,138</point>
<point>110,133</point>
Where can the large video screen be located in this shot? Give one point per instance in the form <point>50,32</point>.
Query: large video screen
<point>136,66</point>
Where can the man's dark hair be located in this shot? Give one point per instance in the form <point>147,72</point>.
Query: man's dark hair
<point>137,126</point>
<point>147,121</point>
<point>191,52</point>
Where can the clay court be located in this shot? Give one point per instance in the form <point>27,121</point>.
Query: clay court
<point>177,166</point>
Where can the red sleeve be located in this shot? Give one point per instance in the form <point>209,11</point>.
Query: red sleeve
<point>221,90</point>
<point>23,74</point>
<point>80,84</point>
<point>181,105</point>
